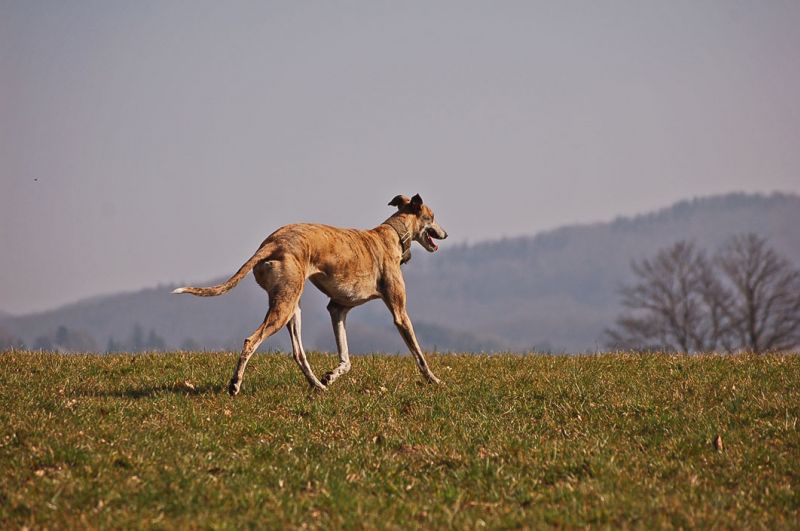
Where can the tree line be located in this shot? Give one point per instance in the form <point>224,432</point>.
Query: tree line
<point>743,297</point>
<point>65,339</point>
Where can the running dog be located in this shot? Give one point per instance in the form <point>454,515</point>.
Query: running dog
<point>350,266</point>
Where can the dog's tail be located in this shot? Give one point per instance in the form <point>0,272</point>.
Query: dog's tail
<point>262,252</point>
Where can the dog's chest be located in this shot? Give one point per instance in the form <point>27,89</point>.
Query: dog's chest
<point>351,289</point>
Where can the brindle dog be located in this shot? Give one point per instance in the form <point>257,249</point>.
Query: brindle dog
<point>350,266</point>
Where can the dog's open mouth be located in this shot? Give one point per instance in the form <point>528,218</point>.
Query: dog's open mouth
<point>429,240</point>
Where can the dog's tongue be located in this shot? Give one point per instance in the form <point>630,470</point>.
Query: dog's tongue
<point>430,239</point>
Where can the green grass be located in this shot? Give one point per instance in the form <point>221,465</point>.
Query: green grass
<point>611,440</point>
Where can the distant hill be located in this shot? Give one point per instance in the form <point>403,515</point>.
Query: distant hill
<point>553,291</point>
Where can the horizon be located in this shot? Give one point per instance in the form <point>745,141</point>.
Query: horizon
<point>149,141</point>
<point>169,284</point>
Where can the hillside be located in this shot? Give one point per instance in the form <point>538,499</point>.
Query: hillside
<point>554,291</point>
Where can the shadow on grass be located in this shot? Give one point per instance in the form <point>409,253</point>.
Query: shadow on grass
<point>153,391</point>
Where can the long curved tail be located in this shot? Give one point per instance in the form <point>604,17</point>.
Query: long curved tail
<point>213,291</point>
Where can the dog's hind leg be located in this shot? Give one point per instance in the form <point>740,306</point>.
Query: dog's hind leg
<point>280,310</point>
<point>299,354</point>
<point>338,318</point>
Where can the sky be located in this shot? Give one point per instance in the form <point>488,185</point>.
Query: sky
<point>160,141</point>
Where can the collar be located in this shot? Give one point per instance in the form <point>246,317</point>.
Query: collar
<point>404,235</point>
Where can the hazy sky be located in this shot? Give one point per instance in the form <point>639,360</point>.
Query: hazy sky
<point>145,142</point>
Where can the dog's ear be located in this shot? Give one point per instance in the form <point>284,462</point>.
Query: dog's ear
<point>399,201</point>
<point>416,203</point>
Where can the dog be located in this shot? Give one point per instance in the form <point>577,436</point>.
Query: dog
<point>348,265</point>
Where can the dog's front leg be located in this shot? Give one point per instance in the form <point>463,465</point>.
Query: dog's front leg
<point>403,324</point>
<point>338,318</point>
<point>395,298</point>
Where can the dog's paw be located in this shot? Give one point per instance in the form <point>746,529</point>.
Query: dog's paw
<point>314,388</point>
<point>233,388</point>
<point>434,380</point>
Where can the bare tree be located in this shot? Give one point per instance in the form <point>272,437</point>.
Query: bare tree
<point>763,308</point>
<point>676,304</point>
<point>717,299</point>
<point>746,298</point>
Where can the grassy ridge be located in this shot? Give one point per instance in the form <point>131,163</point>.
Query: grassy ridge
<point>153,440</point>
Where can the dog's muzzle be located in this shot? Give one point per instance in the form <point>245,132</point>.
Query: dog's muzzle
<point>431,233</point>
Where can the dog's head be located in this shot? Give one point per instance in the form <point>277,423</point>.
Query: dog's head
<point>420,221</point>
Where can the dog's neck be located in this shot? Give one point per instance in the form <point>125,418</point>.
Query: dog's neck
<point>404,234</point>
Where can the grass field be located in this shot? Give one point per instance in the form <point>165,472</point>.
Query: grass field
<point>611,440</point>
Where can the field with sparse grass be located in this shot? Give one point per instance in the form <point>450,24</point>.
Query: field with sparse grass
<point>93,441</point>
